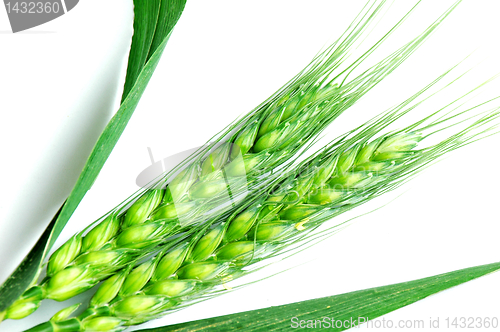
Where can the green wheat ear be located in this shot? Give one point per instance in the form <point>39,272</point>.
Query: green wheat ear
<point>357,167</point>
<point>269,137</point>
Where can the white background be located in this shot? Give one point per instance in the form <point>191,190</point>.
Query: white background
<point>61,82</point>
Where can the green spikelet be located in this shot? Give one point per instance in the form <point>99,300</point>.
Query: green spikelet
<point>271,122</point>
<point>216,159</point>
<point>208,189</point>
<point>242,223</point>
<point>299,211</point>
<point>26,304</point>
<point>172,211</point>
<point>207,244</point>
<point>323,174</point>
<point>245,140</point>
<point>171,287</point>
<point>235,251</point>
<point>272,231</point>
<point>100,258</point>
<point>64,255</point>
<point>243,166</point>
<point>144,235</point>
<point>64,313</point>
<point>323,196</point>
<point>346,160</point>
<point>179,186</point>
<point>101,234</point>
<point>69,282</point>
<point>109,324</point>
<point>108,290</point>
<point>139,305</point>
<point>368,151</point>
<point>136,279</point>
<point>142,208</point>
<point>202,270</point>
<point>171,262</point>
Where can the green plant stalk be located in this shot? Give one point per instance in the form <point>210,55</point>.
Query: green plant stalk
<point>352,170</point>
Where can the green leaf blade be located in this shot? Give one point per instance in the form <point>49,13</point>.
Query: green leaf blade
<point>142,63</point>
<point>369,304</point>
<point>145,20</point>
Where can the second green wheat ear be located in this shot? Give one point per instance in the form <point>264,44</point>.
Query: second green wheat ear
<point>266,138</point>
<point>359,166</point>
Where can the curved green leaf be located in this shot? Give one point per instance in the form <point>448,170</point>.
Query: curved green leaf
<point>369,304</point>
<point>153,23</point>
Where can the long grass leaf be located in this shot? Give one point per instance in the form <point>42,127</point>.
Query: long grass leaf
<point>367,304</point>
